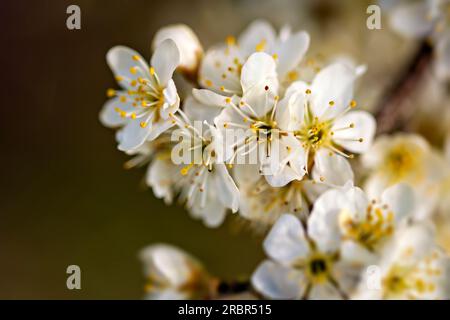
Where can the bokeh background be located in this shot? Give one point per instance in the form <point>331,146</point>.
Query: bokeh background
<point>64,195</point>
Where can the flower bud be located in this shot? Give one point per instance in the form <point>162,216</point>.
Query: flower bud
<point>187,42</point>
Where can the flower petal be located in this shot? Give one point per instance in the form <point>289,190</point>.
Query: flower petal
<point>133,135</point>
<point>167,261</point>
<point>259,82</point>
<point>291,52</point>
<point>122,60</point>
<point>197,111</point>
<point>359,138</point>
<point>160,177</point>
<point>400,200</point>
<point>411,20</point>
<point>331,168</point>
<point>325,291</point>
<point>111,117</point>
<point>276,281</point>
<point>323,224</point>
<point>258,33</point>
<point>286,240</point>
<point>186,41</point>
<point>165,60</point>
<point>227,191</point>
<point>333,83</point>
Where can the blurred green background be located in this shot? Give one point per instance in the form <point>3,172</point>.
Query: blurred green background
<point>65,198</point>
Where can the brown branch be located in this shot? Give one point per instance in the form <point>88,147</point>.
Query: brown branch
<point>393,112</point>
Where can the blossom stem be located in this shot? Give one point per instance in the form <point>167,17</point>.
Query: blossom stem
<point>392,112</point>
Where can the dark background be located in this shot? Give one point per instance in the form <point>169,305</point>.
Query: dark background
<point>65,198</point>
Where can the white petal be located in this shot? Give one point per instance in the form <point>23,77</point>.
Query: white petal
<point>364,128</point>
<point>283,177</point>
<point>121,59</point>
<point>227,191</point>
<point>166,294</point>
<point>333,83</point>
<point>197,111</point>
<point>158,128</point>
<point>323,224</point>
<point>258,70</point>
<point>325,291</point>
<point>400,200</point>
<point>374,157</point>
<point>212,213</point>
<point>355,253</point>
<point>291,52</point>
<point>215,64</point>
<point>257,32</point>
<point>133,135</point>
<point>170,94</point>
<point>295,96</point>
<point>160,177</point>
<point>109,116</point>
<point>259,73</point>
<point>165,60</point>
<point>168,261</point>
<point>278,282</point>
<point>411,20</point>
<point>333,169</point>
<point>186,41</point>
<point>209,98</point>
<point>286,240</point>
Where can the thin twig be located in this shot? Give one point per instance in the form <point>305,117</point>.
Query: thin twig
<point>393,112</point>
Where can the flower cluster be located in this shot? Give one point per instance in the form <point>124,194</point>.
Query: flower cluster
<point>242,128</point>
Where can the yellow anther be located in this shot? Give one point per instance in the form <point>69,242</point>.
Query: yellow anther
<point>133,116</point>
<point>123,114</point>
<point>308,91</point>
<point>222,88</point>
<point>360,139</point>
<point>261,46</point>
<point>119,78</point>
<point>353,104</point>
<point>228,100</point>
<point>225,125</point>
<point>143,124</point>
<point>117,109</point>
<point>152,71</point>
<point>209,83</point>
<point>133,70</point>
<point>110,93</point>
<point>133,83</point>
<point>230,40</point>
<point>275,56</point>
<point>331,103</point>
<point>186,169</point>
<point>123,99</point>
<point>292,75</point>
<point>143,103</point>
<point>352,125</point>
<point>136,58</point>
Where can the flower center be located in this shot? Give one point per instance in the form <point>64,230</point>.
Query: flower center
<point>318,268</point>
<point>315,134</point>
<point>369,232</point>
<point>401,161</point>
